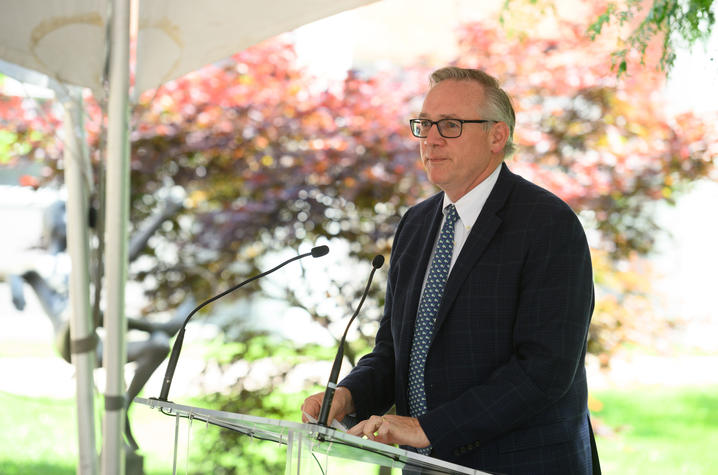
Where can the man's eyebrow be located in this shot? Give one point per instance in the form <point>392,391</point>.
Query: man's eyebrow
<point>424,115</point>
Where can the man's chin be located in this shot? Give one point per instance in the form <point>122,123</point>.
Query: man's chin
<point>437,175</point>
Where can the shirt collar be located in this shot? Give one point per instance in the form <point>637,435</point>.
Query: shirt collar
<point>469,206</point>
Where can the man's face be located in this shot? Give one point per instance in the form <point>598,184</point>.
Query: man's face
<point>457,165</point>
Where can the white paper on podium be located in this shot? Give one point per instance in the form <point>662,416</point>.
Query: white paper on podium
<point>335,423</point>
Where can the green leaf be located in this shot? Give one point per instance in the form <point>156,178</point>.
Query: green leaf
<point>7,139</point>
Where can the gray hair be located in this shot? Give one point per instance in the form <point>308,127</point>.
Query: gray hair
<point>498,102</point>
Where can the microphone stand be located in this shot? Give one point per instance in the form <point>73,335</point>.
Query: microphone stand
<point>318,251</point>
<point>376,263</point>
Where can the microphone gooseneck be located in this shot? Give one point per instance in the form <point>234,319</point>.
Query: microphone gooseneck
<point>318,251</point>
<point>376,263</point>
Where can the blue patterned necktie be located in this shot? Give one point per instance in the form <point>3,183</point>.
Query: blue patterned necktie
<point>428,308</point>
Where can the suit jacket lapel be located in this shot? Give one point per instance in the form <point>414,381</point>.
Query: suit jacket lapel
<point>480,236</point>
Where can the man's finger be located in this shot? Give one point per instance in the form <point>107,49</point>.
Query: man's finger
<point>383,431</point>
<point>311,406</point>
<point>358,429</point>
<point>372,426</point>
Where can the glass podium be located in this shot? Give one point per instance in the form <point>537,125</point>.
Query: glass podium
<point>307,445</point>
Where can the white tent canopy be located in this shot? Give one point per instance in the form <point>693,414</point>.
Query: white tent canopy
<point>80,43</point>
<point>67,39</point>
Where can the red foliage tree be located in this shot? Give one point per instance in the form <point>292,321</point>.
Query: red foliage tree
<point>267,161</point>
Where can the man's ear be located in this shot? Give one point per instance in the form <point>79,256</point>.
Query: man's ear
<point>499,136</point>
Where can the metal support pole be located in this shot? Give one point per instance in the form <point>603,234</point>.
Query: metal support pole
<point>117,217</point>
<point>82,332</point>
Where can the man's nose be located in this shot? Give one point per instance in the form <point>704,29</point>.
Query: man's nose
<point>433,136</point>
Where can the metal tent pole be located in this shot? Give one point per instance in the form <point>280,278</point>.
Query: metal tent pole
<point>117,217</point>
<point>83,341</point>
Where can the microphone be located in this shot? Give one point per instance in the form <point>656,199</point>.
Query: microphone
<point>376,263</point>
<point>318,251</point>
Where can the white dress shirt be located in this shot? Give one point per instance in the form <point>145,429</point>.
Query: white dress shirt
<point>468,207</point>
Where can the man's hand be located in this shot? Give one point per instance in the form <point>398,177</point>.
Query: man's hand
<point>391,429</point>
<point>342,404</point>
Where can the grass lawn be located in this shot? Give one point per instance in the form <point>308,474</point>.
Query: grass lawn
<point>38,435</point>
<point>657,430</point>
<point>650,430</point>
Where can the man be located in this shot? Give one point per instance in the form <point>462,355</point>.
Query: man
<point>485,366</point>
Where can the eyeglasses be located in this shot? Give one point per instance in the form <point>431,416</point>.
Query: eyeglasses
<point>448,128</point>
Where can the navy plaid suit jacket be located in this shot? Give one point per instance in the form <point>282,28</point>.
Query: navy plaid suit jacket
<point>505,377</point>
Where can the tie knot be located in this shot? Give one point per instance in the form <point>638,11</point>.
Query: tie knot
<point>451,214</point>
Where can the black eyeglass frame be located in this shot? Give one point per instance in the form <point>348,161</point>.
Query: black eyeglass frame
<point>438,127</point>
